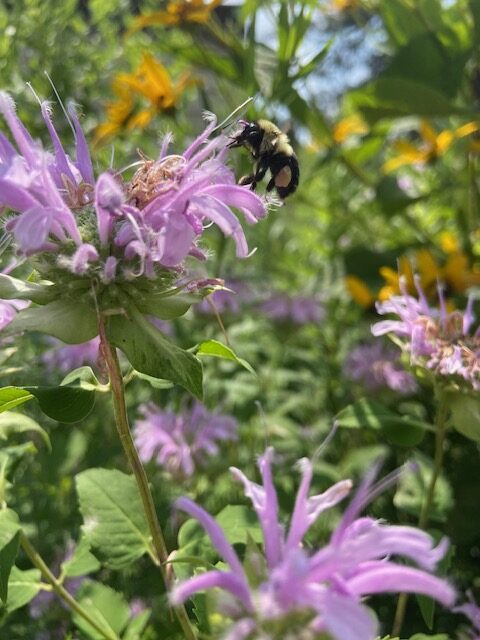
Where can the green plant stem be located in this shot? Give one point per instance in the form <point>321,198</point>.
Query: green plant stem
<point>123,428</point>
<point>440,432</point>
<point>60,590</point>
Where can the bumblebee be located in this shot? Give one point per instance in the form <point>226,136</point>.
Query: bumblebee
<point>271,149</point>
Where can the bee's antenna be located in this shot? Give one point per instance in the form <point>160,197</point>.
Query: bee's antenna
<point>235,112</point>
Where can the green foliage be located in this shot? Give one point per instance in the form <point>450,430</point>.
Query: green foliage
<point>399,430</point>
<point>23,586</point>
<point>9,541</point>
<point>309,66</point>
<point>216,349</point>
<point>114,521</point>
<point>106,606</point>
<point>152,353</point>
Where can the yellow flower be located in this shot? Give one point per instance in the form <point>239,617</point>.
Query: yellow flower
<point>349,126</point>
<point>456,273</point>
<point>345,5</point>
<point>433,145</point>
<point>150,84</point>
<point>448,242</point>
<point>177,12</point>
<point>392,279</point>
<point>359,291</point>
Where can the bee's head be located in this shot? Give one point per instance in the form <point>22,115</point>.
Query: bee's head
<point>250,136</point>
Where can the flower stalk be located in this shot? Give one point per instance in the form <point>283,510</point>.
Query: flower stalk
<point>123,428</point>
<point>60,590</point>
<point>440,432</point>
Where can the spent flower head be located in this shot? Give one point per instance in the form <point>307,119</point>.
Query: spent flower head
<point>181,442</point>
<point>318,591</point>
<point>442,342</point>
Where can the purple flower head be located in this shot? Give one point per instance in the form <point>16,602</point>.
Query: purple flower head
<point>472,611</point>
<point>378,367</point>
<point>181,442</point>
<point>325,589</point>
<point>105,228</point>
<point>298,310</point>
<point>71,356</point>
<point>436,339</point>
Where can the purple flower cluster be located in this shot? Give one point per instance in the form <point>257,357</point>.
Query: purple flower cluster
<point>105,227</point>
<point>442,342</point>
<point>377,367</point>
<point>298,310</point>
<point>181,442</point>
<point>71,356</point>
<point>322,591</point>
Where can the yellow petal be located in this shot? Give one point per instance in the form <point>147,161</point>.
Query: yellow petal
<point>387,292</point>
<point>391,277</point>
<point>359,291</point>
<point>428,133</point>
<point>427,267</point>
<point>466,129</point>
<point>408,154</point>
<point>455,271</point>
<point>448,242</point>
<point>348,126</point>
<point>444,141</point>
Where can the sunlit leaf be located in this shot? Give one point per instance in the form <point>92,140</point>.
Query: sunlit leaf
<point>114,523</point>
<point>9,540</point>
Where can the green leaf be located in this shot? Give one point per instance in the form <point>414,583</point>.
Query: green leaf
<point>167,307</point>
<point>9,541</point>
<point>216,349</point>
<point>395,97</point>
<point>84,376</point>
<point>465,414</point>
<point>71,321</point>
<point>136,626</point>
<point>426,61</point>
<point>12,288</point>
<point>150,352</point>
<point>106,606</point>
<point>401,430</point>
<point>412,488</point>
<point>114,520</point>
<point>390,197</point>
<point>23,586</point>
<point>82,561</point>
<point>64,403</point>
<point>239,523</point>
<point>11,397</point>
<point>310,66</point>
<point>12,423</point>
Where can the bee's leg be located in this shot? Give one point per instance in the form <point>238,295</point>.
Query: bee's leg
<point>271,184</point>
<point>248,180</point>
<point>261,169</point>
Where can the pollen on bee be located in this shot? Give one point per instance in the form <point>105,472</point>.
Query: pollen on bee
<point>283,177</point>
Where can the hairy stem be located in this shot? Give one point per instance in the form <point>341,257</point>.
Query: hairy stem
<point>440,432</point>
<point>60,590</point>
<point>123,428</point>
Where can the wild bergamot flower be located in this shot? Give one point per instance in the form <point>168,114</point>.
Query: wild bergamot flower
<point>293,590</point>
